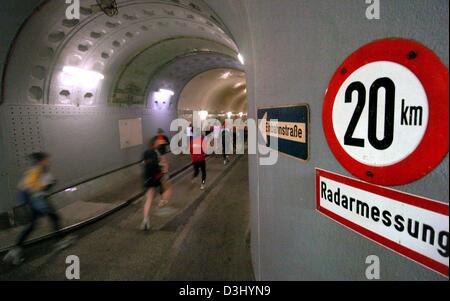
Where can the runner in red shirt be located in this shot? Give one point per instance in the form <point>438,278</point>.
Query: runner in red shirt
<point>198,159</point>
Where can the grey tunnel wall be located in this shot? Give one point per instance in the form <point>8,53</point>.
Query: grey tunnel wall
<point>292,49</point>
<point>10,24</point>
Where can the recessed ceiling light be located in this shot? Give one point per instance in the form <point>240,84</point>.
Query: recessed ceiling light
<point>241,59</point>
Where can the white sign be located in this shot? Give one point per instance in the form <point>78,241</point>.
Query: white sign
<point>385,112</point>
<point>380,113</point>
<point>130,132</point>
<point>413,226</point>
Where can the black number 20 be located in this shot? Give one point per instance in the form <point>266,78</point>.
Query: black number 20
<point>388,138</point>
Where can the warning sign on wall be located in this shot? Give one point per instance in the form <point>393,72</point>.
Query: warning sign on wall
<point>413,226</point>
<point>385,114</point>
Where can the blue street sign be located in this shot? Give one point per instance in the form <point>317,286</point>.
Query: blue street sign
<point>290,125</point>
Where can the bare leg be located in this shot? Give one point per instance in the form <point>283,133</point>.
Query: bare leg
<point>167,194</point>
<point>147,207</point>
<point>164,163</point>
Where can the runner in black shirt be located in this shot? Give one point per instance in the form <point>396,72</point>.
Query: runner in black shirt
<point>163,148</point>
<point>153,174</point>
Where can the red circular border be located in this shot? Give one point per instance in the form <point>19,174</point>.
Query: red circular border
<point>433,75</point>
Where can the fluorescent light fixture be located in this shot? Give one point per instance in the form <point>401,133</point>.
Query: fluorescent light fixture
<point>229,114</point>
<point>166,92</point>
<point>241,59</point>
<point>163,95</point>
<point>78,72</point>
<point>74,76</point>
<point>203,115</point>
<point>71,189</point>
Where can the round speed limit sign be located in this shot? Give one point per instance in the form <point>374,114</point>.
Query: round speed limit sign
<point>385,114</point>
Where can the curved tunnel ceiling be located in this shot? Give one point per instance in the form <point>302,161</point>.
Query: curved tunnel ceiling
<point>217,91</point>
<point>169,58</point>
<point>177,74</point>
<point>132,49</point>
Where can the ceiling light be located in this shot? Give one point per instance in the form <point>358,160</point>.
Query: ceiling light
<point>241,58</point>
<point>163,95</point>
<point>74,76</point>
<point>203,115</point>
<point>75,71</point>
<point>166,92</point>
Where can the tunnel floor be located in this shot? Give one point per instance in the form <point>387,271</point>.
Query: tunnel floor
<point>210,243</point>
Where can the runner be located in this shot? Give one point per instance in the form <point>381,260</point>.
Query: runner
<point>198,159</point>
<point>226,139</point>
<point>34,191</point>
<point>163,148</point>
<point>153,174</point>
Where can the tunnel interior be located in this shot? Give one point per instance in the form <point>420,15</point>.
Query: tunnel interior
<point>87,75</point>
<point>221,92</point>
<point>92,92</point>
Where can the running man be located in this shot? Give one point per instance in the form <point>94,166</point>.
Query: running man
<point>34,191</point>
<point>226,145</point>
<point>153,175</point>
<point>163,141</point>
<point>163,148</point>
<point>198,159</point>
